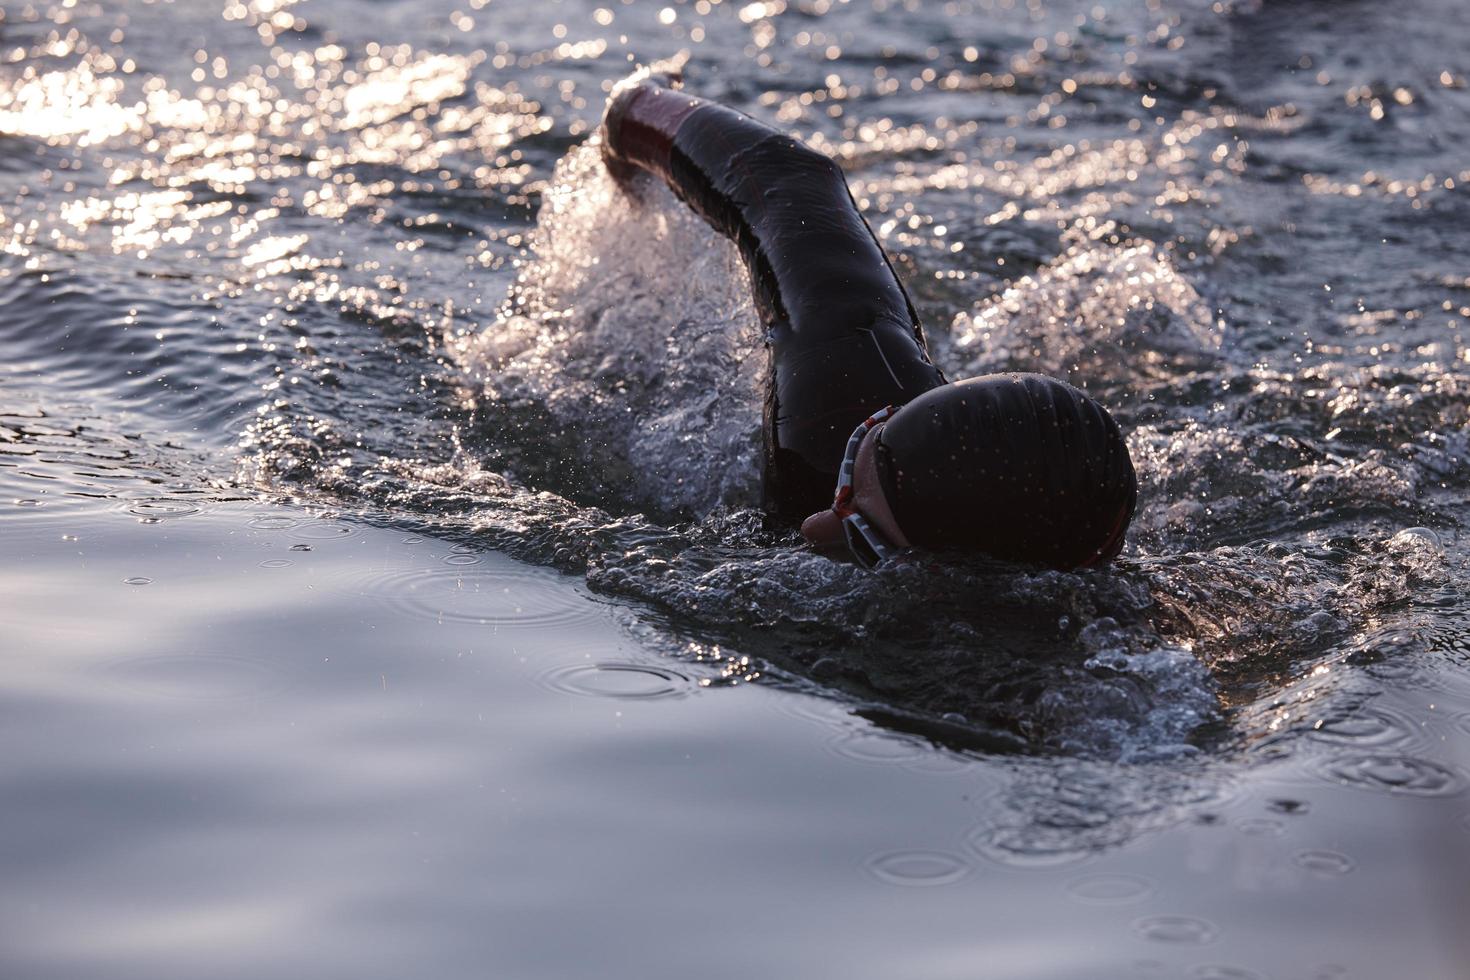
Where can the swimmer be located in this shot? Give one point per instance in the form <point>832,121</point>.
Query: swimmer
<point>867,444</point>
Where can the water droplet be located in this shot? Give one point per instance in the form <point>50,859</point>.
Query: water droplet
<point>1292,808</point>
<point>1393,774</point>
<point>138,580</point>
<point>1182,930</point>
<point>917,868</point>
<point>624,681</point>
<point>301,547</point>
<point>1327,863</point>
<point>1110,889</point>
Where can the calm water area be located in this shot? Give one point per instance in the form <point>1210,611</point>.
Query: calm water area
<point>382,587</point>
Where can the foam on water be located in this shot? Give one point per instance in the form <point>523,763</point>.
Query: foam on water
<point>630,328</point>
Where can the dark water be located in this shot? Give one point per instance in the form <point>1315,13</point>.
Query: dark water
<point>382,590</point>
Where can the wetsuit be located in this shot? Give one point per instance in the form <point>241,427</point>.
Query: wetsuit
<point>844,338</point>
<point>1020,467</point>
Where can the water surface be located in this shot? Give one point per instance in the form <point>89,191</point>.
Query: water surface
<point>383,589</point>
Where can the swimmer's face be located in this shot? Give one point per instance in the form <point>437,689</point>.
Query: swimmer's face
<point>824,528</point>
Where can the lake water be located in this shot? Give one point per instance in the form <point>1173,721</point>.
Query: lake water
<point>381,592</point>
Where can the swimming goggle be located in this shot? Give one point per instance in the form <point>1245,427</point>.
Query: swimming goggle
<point>866,543</point>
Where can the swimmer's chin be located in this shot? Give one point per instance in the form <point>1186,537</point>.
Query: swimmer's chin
<point>823,529</point>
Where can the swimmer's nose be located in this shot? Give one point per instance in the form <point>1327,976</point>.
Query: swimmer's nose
<point>823,529</point>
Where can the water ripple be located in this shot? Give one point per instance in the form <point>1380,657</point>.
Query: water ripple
<point>1393,774</point>
<point>490,597</point>
<point>1221,971</point>
<point>1178,930</point>
<point>619,681</point>
<point>1111,889</point>
<point>161,508</point>
<point>1330,864</point>
<point>917,868</point>
<point>322,530</point>
<point>1366,726</point>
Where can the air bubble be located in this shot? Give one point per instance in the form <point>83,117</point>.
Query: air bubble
<point>1416,535</point>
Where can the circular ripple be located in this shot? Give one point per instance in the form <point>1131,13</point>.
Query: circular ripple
<point>138,580</point>
<point>277,563</point>
<point>623,681</point>
<point>1393,774</point>
<point>502,599</point>
<point>1365,726</point>
<point>196,677</point>
<point>160,509</point>
<point>1221,971</point>
<point>1261,827</point>
<point>462,558</point>
<point>1031,847</point>
<point>880,748</point>
<point>1327,863</point>
<point>1110,889</point>
<point>917,868</point>
<point>322,530</point>
<point>1179,930</point>
<point>273,522</point>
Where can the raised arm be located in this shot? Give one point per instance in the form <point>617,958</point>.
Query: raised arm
<point>845,339</point>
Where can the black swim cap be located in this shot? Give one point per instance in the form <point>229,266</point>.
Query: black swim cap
<point>1021,467</point>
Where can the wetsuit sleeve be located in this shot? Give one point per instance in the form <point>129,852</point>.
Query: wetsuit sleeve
<point>844,338</point>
